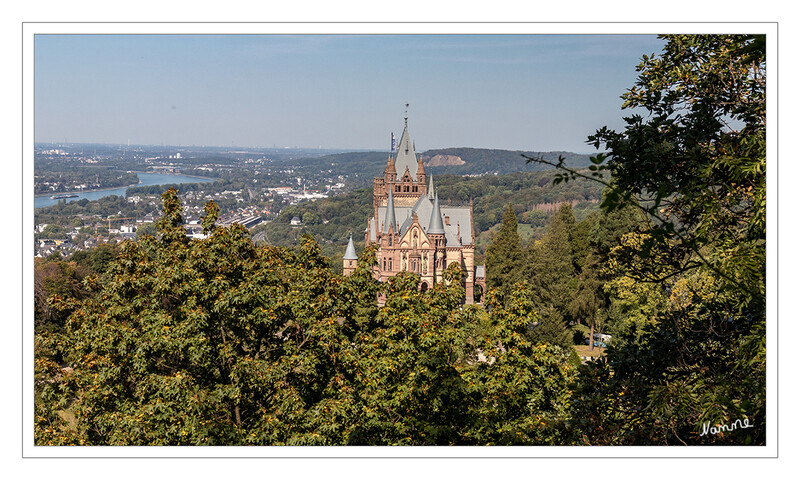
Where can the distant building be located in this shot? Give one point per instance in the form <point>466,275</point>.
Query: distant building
<point>413,230</point>
<point>295,221</point>
<point>350,257</point>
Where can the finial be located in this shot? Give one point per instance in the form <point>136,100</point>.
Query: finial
<point>406,115</point>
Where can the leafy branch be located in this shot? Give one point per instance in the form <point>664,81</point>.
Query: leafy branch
<point>616,198</point>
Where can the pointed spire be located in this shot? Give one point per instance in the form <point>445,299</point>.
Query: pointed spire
<point>430,188</point>
<point>350,253</point>
<point>436,226</point>
<point>405,155</point>
<point>389,220</point>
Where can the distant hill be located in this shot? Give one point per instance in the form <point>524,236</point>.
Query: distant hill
<point>362,167</point>
<point>477,161</point>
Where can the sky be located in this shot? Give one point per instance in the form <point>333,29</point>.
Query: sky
<point>516,92</point>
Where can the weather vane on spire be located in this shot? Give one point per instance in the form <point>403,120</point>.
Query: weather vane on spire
<point>406,115</point>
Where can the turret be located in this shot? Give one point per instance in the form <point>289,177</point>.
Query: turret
<point>436,226</point>
<point>435,232</point>
<point>350,258</point>
<point>390,173</point>
<point>389,220</point>
<point>420,171</point>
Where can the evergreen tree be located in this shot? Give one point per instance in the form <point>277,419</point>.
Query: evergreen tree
<point>698,156</point>
<point>504,256</point>
<point>550,329</point>
<point>552,270</point>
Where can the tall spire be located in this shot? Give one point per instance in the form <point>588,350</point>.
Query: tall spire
<point>430,188</point>
<point>350,253</point>
<point>406,155</point>
<point>389,220</point>
<point>436,226</point>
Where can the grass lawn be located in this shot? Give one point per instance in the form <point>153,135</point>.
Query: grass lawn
<point>583,351</point>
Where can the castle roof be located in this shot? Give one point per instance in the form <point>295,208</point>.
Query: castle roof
<point>406,157</point>
<point>436,225</point>
<point>350,253</point>
<point>457,230</point>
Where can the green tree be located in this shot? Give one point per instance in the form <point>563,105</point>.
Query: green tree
<point>504,256</point>
<point>219,342</point>
<point>696,162</point>
<point>552,270</point>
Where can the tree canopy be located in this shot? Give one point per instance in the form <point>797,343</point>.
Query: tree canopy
<point>220,342</point>
<point>688,290</point>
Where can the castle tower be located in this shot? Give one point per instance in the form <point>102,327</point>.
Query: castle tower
<point>436,234</point>
<point>413,231</point>
<point>350,258</point>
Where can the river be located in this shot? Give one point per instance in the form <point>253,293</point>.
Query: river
<point>145,179</point>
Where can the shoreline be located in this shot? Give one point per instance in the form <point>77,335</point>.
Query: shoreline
<point>48,195</point>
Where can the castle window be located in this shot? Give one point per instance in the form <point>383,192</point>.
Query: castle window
<point>390,240</point>
<point>414,189</point>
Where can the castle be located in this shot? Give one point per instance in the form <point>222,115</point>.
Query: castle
<point>413,231</point>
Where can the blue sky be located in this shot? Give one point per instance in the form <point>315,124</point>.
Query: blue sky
<point>525,92</point>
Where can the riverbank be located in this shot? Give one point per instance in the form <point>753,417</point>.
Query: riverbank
<point>145,179</point>
<point>95,190</point>
<point>91,190</point>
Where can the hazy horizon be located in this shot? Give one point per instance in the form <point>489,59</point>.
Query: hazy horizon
<point>333,92</point>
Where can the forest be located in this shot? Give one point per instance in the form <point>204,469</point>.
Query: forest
<point>165,340</point>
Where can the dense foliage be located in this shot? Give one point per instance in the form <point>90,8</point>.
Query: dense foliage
<point>683,292</point>
<point>218,341</point>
